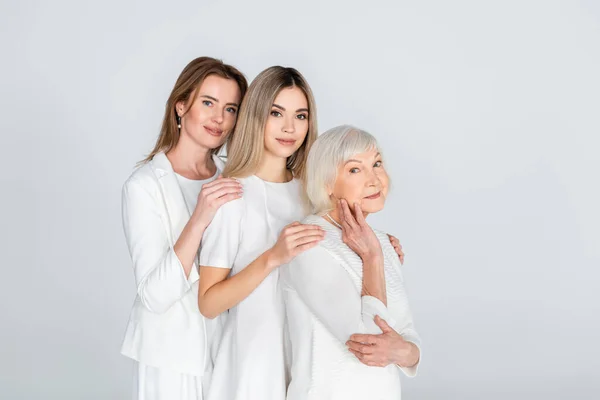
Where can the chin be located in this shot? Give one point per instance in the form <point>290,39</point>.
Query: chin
<point>283,153</point>
<point>370,206</point>
<point>211,142</point>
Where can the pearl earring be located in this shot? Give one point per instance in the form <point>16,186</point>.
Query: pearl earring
<point>178,122</point>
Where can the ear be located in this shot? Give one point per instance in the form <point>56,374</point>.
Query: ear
<point>180,108</point>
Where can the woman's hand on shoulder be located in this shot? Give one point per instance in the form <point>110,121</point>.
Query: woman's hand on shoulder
<point>397,247</point>
<point>213,195</point>
<point>294,239</point>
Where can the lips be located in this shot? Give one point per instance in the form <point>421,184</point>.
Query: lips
<point>213,131</point>
<point>373,196</point>
<point>286,142</point>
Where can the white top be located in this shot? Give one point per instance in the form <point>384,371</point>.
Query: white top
<point>165,328</point>
<point>191,189</point>
<point>250,363</point>
<point>322,289</point>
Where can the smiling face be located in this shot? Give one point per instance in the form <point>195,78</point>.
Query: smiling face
<point>212,114</point>
<point>287,123</point>
<point>362,179</point>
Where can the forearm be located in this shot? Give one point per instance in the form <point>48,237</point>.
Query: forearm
<point>188,243</point>
<point>231,291</point>
<point>374,278</point>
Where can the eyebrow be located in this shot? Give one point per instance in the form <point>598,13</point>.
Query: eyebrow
<point>358,161</point>
<point>217,100</point>
<point>283,108</point>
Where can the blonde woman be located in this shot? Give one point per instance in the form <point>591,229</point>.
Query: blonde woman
<point>350,325</point>
<point>250,238</point>
<point>167,204</point>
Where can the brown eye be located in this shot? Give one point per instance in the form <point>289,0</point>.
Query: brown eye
<point>377,164</point>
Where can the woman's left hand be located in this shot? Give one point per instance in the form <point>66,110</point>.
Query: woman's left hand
<point>398,247</point>
<point>384,349</point>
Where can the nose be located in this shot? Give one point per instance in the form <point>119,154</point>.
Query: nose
<point>288,125</point>
<point>372,179</point>
<point>217,116</point>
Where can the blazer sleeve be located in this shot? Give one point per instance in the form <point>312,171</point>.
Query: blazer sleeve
<point>159,275</point>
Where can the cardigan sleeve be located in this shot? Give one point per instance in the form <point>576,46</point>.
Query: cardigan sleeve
<point>323,284</point>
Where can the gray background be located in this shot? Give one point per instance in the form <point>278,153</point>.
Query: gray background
<point>488,112</point>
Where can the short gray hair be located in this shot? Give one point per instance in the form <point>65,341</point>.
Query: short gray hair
<point>330,150</point>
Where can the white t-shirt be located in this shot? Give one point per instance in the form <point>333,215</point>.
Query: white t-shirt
<point>191,189</point>
<point>251,361</point>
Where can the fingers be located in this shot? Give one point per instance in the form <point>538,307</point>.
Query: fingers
<point>307,239</point>
<point>212,187</point>
<point>382,324</point>
<point>227,198</point>
<point>347,218</point>
<point>360,347</point>
<point>368,359</point>
<point>397,247</point>
<point>308,230</point>
<point>360,217</point>
<point>299,229</point>
<point>363,338</point>
<point>305,247</point>
<point>224,191</point>
<point>219,180</point>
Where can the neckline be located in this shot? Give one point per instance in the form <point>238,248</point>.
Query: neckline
<point>198,180</point>
<point>275,183</point>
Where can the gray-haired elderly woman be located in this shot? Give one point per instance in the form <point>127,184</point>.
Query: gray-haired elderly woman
<point>350,284</point>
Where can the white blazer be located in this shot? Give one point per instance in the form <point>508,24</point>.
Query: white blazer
<point>166,329</point>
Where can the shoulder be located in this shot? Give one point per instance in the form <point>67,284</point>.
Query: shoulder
<point>142,177</point>
<point>229,215</point>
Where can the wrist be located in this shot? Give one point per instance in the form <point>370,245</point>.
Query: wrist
<point>407,355</point>
<point>372,258</point>
<point>198,221</point>
<point>270,260</point>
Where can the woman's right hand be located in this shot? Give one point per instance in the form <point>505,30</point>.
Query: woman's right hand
<point>356,233</point>
<point>213,195</point>
<point>294,239</point>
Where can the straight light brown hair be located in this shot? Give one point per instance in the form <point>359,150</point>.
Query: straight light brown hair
<point>246,148</point>
<point>189,80</point>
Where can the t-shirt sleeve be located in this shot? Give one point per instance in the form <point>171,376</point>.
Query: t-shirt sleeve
<point>221,240</point>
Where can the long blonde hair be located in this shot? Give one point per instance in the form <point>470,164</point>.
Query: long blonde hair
<point>245,150</point>
<point>189,80</point>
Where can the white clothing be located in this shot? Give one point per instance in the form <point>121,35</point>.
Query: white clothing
<point>190,188</point>
<point>165,330</point>
<point>322,289</point>
<point>152,383</point>
<point>250,363</point>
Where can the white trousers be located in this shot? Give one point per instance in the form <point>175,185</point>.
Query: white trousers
<point>152,383</point>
